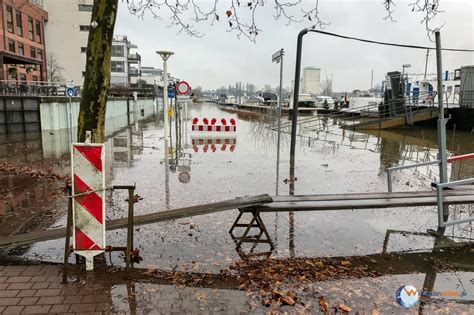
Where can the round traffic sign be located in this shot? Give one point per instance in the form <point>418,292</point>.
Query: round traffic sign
<point>70,92</point>
<point>183,88</point>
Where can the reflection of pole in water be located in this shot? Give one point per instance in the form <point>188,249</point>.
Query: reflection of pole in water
<point>167,175</point>
<point>291,222</point>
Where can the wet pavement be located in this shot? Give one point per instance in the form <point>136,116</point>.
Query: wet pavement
<point>328,160</point>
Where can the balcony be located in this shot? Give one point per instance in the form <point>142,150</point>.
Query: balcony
<point>134,72</point>
<point>134,58</point>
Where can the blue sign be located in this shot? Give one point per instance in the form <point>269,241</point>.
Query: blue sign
<point>70,92</point>
<point>170,93</point>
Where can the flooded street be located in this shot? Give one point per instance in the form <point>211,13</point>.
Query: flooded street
<point>328,160</point>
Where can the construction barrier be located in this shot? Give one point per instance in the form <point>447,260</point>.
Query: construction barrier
<point>212,127</point>
<point>88,191</point>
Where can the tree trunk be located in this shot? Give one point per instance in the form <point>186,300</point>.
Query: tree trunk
<point>97,78</point>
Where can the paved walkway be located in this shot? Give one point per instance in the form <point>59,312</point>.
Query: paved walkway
<point>38,289</point>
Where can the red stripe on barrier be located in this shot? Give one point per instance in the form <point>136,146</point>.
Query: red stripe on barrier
<point>90,201</point>
<point>201,128</point>
<point>83,242</point>
<point>218,128</point>
<point>461,157</point>
<point>93,154</point>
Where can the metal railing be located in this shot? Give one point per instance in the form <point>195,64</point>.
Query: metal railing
<point>441,207</point>
<point>451,159</point>
<point>33,88</point>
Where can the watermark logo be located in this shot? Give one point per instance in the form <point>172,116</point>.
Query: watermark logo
<point>407,296</point>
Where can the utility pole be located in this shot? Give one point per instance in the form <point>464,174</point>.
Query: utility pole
<point>426,61</point>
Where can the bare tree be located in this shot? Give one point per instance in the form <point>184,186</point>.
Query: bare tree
<point>53,69</point>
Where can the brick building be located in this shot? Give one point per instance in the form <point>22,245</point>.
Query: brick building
<point>22,48</point>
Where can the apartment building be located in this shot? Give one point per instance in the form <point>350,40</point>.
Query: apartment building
<point>67,32</point>
<point>22,40</point>
<point>311,80</point>
<point>125,62</point>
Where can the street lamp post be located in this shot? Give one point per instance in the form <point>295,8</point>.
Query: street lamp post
<point>165,55</point>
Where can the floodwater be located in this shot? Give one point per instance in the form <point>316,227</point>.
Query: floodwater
<point>328,160</point>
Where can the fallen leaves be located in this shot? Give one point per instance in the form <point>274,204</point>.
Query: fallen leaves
<point>344,308</point>
<point>323,305</point>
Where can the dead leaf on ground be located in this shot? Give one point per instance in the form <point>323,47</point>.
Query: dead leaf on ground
<point>288,300</point>
<point>344,307</point>
<point>323,304</point>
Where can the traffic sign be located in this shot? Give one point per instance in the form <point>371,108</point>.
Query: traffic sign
<point>184,98</point>
<point>183,88</point>
<point>69,83</point>
<point>277,56</point>
<point>70,92</point>
<point>170,93</point>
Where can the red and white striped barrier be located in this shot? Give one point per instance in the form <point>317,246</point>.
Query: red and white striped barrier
<point>199,141</point>
<point>211,143</point>
<point>212,127</point>
<point>88,190</point>
<point>213,148</point>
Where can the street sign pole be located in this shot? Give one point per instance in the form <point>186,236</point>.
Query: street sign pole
<point>278,58</point>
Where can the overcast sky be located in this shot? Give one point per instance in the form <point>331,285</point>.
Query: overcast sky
<point>219,58</point>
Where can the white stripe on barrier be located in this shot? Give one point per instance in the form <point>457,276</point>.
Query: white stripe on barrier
<point>89,225</point>
<point>87,172</point>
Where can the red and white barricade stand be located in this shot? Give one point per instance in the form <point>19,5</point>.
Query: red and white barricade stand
<point>88,191</point>
<point>207,125</point>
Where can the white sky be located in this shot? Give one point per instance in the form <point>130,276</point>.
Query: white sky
<point>220,58</point>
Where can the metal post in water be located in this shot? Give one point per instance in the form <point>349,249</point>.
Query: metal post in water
<point>294,111</point>
<point>443,166</point>
<point>278,57</point>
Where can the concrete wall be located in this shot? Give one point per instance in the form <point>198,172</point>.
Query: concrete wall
<point>56,136</point>
<point>62,115</point>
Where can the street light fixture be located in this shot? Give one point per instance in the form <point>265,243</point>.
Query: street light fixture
<point>165,55</point>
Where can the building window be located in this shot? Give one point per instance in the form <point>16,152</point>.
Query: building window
<point>21,49</point>
<point>23,77</point>
<point>19,23</point>
<point>83,49</point>
<point>38,31</point>
<point>85,7</point>
<point>35,78</point>
<point>10,19</point>
<point>83,73</point>
<point>84,28</point>
<point>11,45</point>
<point>117,51</point>
<point>31,31</point>
<point>118,66</point>
<point>40,54</point>
<point>33,52</point>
